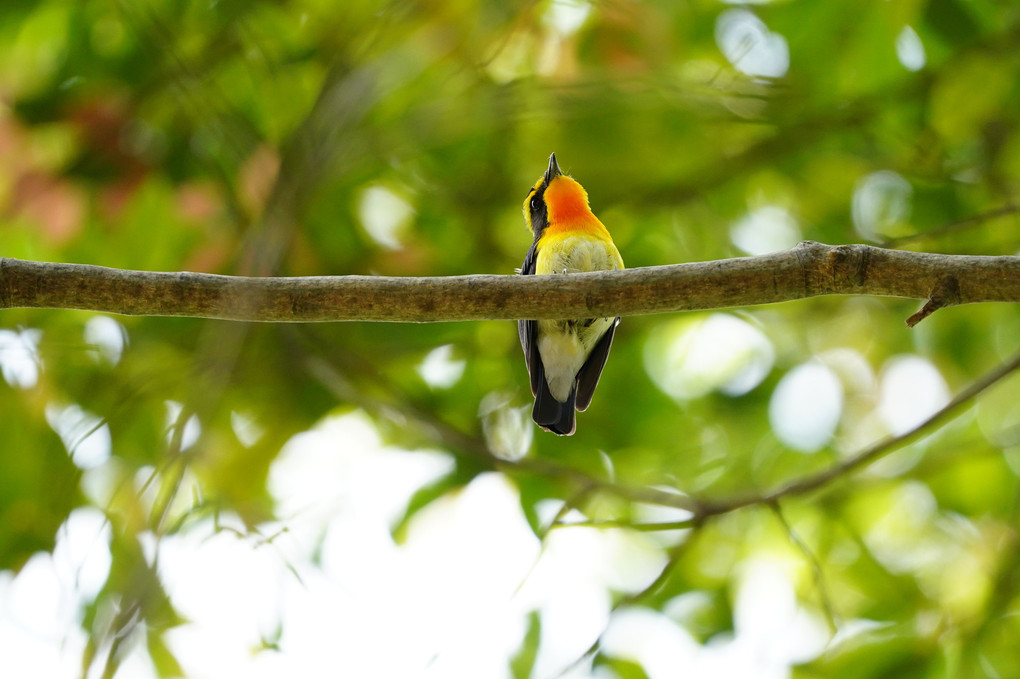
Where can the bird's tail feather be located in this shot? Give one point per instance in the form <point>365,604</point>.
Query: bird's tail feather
<point>552,415</point>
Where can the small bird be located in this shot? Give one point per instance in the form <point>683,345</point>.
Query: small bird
<point>565,357</point>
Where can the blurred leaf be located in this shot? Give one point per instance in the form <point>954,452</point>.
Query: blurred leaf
<point>39,483</point>
<point>885,651</point>
<point>522,664</point>
<point>624,669</point>
<point>163,659</point>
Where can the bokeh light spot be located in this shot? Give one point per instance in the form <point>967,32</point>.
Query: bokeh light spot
<point>881,205</point>
<point>911,391</point>
<point>806,407</point>
<point>567,16</point>
<point>440,369</point>
<point>764,230</point>
<point>750,46</point>
<point>19,357</point>
<point>107,338</point>
<point>385,215</point>
<point>910,49</point>
<point>690,358</point>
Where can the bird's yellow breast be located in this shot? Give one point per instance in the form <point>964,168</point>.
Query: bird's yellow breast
<point>576,251</point>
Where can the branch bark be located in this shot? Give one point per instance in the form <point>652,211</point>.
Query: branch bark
<point>808,270</point>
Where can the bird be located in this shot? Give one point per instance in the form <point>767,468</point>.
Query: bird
<point>564,357</point>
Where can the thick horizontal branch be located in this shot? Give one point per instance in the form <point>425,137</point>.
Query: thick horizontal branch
<point>808,270</point>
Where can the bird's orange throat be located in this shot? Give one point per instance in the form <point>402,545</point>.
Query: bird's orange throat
<point>568,207</point>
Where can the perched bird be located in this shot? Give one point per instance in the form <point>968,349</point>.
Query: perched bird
<point>565,357</point>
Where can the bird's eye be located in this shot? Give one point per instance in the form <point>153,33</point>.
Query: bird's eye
<point>534,203</point>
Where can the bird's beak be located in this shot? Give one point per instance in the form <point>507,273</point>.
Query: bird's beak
<point>553,171</point>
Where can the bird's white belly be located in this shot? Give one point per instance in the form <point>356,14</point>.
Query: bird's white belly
<point>564,347</point>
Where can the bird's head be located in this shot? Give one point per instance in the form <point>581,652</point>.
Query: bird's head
<point>554,199</point>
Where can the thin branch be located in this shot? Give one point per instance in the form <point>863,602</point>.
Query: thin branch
<point>475,447</point>
<point>884,447</point>
<point>816,567</point>
<point>568,505</point>
<point>673,556</point>
<point>951,227</point>
<point>656,527</point>
<point>168,493</point>
<point>808,270</point>
<point>328,369</point>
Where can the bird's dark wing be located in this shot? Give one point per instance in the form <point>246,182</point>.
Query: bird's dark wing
<point>528,331</point>
<point>551,414</point>
<point>588,375</point>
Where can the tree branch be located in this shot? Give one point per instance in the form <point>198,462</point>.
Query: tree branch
<point>703,509</point>
<point>808,270</point>
<point>954,226</point>
<point>812,482</point>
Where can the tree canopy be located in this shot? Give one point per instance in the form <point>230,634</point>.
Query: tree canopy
<point>144,456</point>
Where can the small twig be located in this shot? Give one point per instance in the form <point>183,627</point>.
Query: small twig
<point>640,527</point>
<point>165,498</point>
<point>672,561</point>
<point>945,293</point>
<point>816,567</point>
<point>568,504</point>
<point>956,225</point>
<point>334,371</point>
<point>474,447</point>
<point>563,510</point>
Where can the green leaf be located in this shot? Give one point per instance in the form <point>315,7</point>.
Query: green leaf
<point>523,662</point>
<point>38,483</point>
<point>162,658</point>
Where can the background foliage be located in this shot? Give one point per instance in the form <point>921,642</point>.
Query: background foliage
<point>301,137</point>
